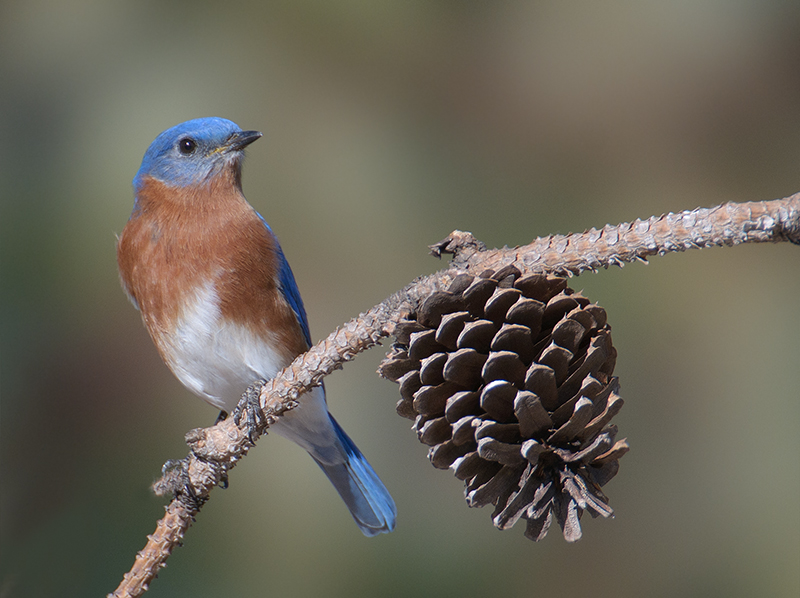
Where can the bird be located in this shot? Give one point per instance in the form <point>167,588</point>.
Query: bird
<point>220,301</point>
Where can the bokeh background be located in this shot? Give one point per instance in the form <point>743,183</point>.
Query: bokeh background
<point>387,125</point>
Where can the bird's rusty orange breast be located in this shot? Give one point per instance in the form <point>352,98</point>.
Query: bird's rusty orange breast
<point>182,239</point>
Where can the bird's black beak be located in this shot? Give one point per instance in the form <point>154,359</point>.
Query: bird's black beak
<point>239,141</point>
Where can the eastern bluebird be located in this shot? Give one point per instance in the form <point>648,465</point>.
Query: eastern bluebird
<point>219,298</point>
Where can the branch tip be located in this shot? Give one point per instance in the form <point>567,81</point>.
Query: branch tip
<point>458,243</point>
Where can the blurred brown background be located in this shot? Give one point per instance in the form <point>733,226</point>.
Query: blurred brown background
<point>386,126</point>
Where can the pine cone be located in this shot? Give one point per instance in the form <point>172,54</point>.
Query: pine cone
<point>509,380</point>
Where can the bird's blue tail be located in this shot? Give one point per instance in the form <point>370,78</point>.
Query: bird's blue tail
<point>361,489</point>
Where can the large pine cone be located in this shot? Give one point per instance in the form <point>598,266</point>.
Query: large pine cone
<point>509,380</point>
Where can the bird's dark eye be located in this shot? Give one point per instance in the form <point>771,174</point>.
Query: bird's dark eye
<point>187,145</point>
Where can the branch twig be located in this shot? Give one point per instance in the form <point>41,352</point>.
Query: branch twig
<point>215,450</point>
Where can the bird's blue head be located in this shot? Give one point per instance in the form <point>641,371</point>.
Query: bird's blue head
<point>193,152</point>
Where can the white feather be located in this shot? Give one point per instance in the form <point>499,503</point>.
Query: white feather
<point>217,360</point>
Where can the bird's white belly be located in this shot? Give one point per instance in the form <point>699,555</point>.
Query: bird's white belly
<point>216,359</point>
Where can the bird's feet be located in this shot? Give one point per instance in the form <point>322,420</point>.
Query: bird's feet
<point>249,409</point>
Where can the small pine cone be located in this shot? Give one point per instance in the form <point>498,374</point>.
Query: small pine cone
<point>508,379</point>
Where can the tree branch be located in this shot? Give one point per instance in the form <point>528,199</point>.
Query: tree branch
<point>215,450</point>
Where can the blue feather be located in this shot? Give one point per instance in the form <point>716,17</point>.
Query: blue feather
<point>164,161</point>
<point>369,501</point>
<point>289,289</point>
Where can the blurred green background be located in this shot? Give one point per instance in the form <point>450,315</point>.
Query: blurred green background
<point>387,125</point>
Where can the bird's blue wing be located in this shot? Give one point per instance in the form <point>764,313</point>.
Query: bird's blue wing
<point>292,294</point>
<point>289,288</point>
